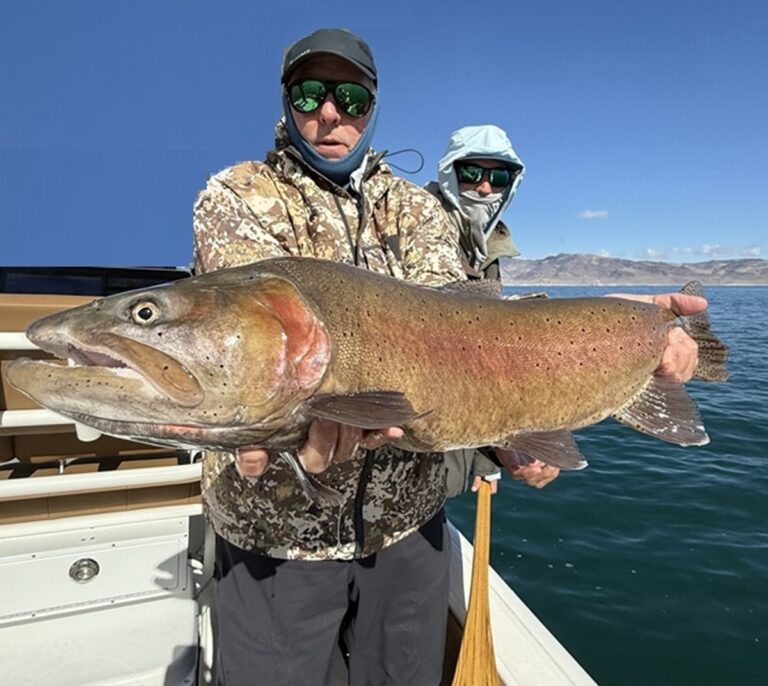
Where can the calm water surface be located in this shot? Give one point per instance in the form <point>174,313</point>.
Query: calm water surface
<point>651,566</point>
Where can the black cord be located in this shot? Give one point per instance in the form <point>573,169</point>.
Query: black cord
<point>399,152</point>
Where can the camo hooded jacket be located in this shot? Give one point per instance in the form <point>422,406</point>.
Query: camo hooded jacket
<point>256,210</point>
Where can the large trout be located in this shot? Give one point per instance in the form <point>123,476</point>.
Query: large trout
<point>251,355</point>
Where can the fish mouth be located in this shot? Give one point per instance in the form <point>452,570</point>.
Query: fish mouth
<point>107,359</point>
<point>79,357</point>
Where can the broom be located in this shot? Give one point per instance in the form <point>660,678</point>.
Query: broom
<point>476,665</point>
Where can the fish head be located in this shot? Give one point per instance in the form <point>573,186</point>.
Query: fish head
<point>202,362</point>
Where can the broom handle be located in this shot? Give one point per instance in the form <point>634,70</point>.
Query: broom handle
<point>476,665</point>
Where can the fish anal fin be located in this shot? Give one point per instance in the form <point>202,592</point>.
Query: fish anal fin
<point>556,448</point>
<point>664,410</point>
<point>367,410</point>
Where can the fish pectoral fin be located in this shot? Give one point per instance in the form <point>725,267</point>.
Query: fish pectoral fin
<point>369,410</point>
<point>315,492</point>
<point>556,448</point>
<point>664,410</point>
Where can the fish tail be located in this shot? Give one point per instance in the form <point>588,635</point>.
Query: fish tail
<point>713,353</point>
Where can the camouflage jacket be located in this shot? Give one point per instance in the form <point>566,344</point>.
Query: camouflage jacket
<point>256,210</point>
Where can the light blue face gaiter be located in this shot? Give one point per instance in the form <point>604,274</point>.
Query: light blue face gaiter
<point>337,171</point>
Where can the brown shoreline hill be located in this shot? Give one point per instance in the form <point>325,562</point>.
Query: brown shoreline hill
<point>593,270</point>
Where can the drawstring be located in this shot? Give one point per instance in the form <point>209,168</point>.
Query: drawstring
<point>354,245</point>
<point>365,475</point>
<point>389,155</point>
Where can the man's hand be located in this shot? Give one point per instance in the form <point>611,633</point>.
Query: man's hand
<point>251,462</point>
<point>681,354</point>
<point>523,468</point>
<point>330,441</point>
<point>327,442</point>
<point>493,482</point>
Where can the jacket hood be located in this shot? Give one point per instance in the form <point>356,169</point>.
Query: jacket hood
<point>486,141</point>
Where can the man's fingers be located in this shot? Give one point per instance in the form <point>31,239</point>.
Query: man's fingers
<point>493,483</point>
<point>679,303</point>
<point>536,474</point>
<point>251,462</point>
<point>378,437</point>
<point>330,441</point>
<point>347,443</point>
<point>547,476</point>
<point>680,357</point>
<point>318,451</point>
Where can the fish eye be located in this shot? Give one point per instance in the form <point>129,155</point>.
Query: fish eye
<point>145,312</point>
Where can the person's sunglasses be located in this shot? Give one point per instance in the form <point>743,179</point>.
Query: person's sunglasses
<point>499,177</point>
<point>351,98</point>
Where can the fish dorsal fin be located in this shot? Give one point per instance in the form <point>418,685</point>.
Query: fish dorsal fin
<point>664,410</point>
<point>556,448</point>
<point>369,410</point>
<point>490,288</point>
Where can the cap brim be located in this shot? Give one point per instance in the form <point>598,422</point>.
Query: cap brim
<point>296,63</point>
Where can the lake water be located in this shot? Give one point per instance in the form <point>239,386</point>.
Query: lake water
<point>651,565</point>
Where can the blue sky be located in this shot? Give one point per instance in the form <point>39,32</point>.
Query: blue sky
<point>642,124</point>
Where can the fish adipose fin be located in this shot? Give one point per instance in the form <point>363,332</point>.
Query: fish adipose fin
<point>556,448</point>
<point>664,410</point>
<point>713,354</point>
<point>370,410</point>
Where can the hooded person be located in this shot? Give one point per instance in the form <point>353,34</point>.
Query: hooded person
<point>475,157</point>
<point>477,179</point>
<point>294,577</point>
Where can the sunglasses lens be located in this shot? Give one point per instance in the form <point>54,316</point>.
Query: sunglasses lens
<point>353,98</point>
<point>308,95</point>
<point>469,173</point>
<point>499,177</point>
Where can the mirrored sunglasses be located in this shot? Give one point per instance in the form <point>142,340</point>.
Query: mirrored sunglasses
<point>499,177</point>
<point>307,95</point>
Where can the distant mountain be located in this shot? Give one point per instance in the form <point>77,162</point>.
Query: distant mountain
<point>592,270</point>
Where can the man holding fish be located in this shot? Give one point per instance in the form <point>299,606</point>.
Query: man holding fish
<point>291,576</point>
<point>375,565</point>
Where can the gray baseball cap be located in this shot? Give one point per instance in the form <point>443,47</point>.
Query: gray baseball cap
<point>339,42</point>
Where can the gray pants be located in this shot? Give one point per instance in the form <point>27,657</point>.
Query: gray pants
<point>281,621</point>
